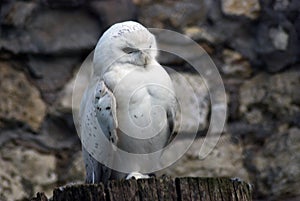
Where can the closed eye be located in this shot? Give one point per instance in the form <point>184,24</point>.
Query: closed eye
<point>129,50</point>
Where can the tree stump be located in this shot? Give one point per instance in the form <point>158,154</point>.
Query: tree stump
<point>155,189</point>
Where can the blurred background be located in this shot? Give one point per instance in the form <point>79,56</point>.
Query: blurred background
<point>254,44</point>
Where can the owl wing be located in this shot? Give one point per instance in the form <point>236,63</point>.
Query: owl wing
<point>98,131</point>
<point>172,112</point>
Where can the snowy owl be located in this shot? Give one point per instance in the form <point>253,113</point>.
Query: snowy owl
<point>129,105</point>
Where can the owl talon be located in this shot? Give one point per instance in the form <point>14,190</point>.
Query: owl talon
<point>137,175</point>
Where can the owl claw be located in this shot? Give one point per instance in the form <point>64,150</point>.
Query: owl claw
<point>137,175</point>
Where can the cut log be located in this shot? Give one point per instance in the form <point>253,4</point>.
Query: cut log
<point>156,189</point>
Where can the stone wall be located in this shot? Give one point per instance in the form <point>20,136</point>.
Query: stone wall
<point>255,45</point>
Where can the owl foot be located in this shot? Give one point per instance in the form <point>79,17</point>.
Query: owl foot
<point>137,175</point>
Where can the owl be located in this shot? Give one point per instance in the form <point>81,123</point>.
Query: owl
<point>128,108</point>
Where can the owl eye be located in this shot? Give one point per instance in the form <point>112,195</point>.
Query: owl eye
<point>129,50</point>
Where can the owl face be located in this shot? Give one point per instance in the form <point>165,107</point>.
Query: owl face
<point>127,43</point>
<point>137,48</point>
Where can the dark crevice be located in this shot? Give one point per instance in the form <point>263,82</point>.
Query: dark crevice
<point>178,189</point>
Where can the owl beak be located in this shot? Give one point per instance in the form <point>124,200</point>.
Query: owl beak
<point>146,58</point>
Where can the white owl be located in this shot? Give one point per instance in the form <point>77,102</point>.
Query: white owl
<point>130,101</point>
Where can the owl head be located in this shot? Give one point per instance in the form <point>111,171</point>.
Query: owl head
<point>126,43</point>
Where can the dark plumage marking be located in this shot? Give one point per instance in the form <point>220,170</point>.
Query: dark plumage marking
<point>135,116</point>
<point>107,108</point>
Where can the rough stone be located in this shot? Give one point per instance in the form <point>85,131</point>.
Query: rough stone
<point>199,98</point>
<point>274,169</point>
<point>173,14</point>
<point>254,116</point>
<point>235,64</point>
<point>45,36</point>
<point>276,42</point>
<point>11,187</point>
<point>249,8</point>
<point>255,133</point>
<point>21,102</point>
<point>51,73</point>
<point>72,170</point>
<point>278,94</point>
<point>63,3</point>
<point>225,160</point>
<point>240,36</point>
<point>64,102</point>
<point>80,80</point>
<point>77,170</point>
<point>123,10</point>
<point>175,48</point>
<point>33,170</point>
<point>236,32</point>
<point>200,33</point>
<point>279,38</point>
<point>141,2</point>
<point>56,134</point>
<point>281,4</point>
<point>17,12</point>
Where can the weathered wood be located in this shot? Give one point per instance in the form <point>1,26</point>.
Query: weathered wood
<point>147,189</point>
<point>183,190</point>
<point>194,189</point>
<point>214,189</point>
<point>227,190</point>
<point>203,188</point>
<point>80,193</point>
<point>130,190</point>
<point>115,192</point>
<point>40,197</point>
<point>242,193</point>
<point>156,189</point>
<point>166,189</point>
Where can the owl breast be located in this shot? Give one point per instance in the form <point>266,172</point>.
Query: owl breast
<point>141,109</point>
